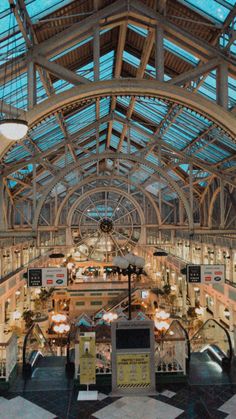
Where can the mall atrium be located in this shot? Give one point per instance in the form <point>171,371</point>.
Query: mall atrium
<point>117,209</point>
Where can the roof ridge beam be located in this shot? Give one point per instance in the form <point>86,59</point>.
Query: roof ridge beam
<point>204,49</point>
<point>69,37</point>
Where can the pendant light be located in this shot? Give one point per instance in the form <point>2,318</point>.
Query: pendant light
<point>12,125</point>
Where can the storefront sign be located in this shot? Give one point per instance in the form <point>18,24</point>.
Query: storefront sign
<point>87,358</point>
<point>47,277</point>
<point>206,274</point>
<point>194,273</point>
<point>133,369</point>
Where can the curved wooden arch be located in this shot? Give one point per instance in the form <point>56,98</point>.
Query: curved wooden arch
<point>106,177</point>
<point>137,87</point>
<point>101,189</point>
<point>111,155</point>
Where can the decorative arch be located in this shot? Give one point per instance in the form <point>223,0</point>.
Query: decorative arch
<point>111,155</point>
<point>100,189</point>
<point>106,177</point>
<point>137,87</point>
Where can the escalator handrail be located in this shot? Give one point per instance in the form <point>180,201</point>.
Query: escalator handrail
<point>25,343</point>
<point>185,333</point>
<point>34,325</point>
<point>117,301</point>
<point>230,355</point>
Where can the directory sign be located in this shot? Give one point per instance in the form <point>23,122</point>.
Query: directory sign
<point>206,274</point>
<point>47,277</point>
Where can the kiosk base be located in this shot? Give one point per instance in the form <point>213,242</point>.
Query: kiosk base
<point>87,395</point>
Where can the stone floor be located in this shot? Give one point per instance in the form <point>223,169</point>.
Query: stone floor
<point>181,401</point>
<point>208,393</point>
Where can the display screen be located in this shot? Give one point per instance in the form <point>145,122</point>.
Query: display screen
<point>132,338</point>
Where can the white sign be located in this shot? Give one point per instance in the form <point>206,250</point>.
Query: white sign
<point>47,277</point>
<point>206,274</point>
<point>212,274</point>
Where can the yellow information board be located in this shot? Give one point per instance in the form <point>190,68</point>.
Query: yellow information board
<point>87,359</point>
<point>133,369</point>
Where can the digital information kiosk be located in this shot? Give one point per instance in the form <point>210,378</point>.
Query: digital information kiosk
<point>133,366</point>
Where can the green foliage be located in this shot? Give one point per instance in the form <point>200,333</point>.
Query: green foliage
<point>28,318</point>
<point>45,294</point>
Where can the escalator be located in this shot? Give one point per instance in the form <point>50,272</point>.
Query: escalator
<point>35,347</point>
<point>42,368</point>
<point>211,354</point>
<point>122,300</point>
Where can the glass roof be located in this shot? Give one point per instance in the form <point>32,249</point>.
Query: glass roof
<point>184,131</point>
<point>211,8</point>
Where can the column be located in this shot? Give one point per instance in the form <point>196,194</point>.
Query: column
<point>31,84</point>
<point>159,53</point>
<point>222,85</point>
<point>216,308</point>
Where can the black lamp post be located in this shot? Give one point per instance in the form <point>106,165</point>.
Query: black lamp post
<point>129,265</point>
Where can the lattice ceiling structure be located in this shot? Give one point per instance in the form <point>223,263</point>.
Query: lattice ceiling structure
<point>139,95</point>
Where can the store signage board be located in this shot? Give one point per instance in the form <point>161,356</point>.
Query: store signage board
<point>47,277</point>
<point>206,274</point>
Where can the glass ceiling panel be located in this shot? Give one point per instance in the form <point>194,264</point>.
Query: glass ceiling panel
<point>40,8</point>
<point>153,159</point>
<point>180,52</point>
<point>208,88</point>
<point>15,91</point>
<point>225,39</point>
<point>209,8</point>
<point>62,85</point>
<point>168,45</point>
<point>16,154</point>
<point>104,107</point>
<point>82,118</point>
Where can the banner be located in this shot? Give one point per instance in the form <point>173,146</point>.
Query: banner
<point>206,274</point>
<point>133,369</point>
<point>87,358</point>
<point>47,277</point>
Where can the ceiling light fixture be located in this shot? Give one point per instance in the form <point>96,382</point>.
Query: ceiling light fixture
<point>12,125</point>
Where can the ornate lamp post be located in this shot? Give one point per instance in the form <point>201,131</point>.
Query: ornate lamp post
<point>129,265</point>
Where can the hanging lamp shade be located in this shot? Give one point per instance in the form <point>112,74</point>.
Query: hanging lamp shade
<point>12,125</point>
<point>13,129</point>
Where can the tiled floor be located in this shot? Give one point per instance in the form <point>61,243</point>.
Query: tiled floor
<point>20,408</point>
<point>139,408</point>
<point>208,394</point>
<point>175,401</point>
